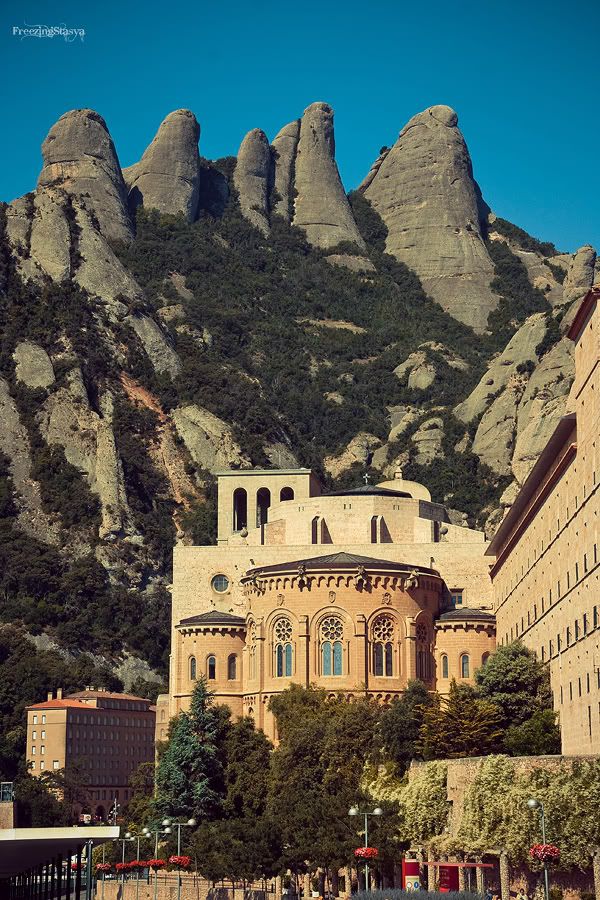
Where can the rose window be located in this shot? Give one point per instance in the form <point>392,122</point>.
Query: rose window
<point>283,630</point>
<point>332,629</point>
<point>383,629</point>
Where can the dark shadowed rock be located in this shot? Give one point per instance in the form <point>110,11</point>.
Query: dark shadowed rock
<point>424,191</point>
<point>80,157</point>
<point>252,178</point>
<point>285,146</point>
<point>168,174</point>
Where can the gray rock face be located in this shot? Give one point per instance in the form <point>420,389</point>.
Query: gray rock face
<point>209,439</point>
<point>359,450</point>
<point>253,177</point>
<point>285,146</point>
<point>167,177</point>
<point>79,156</point>
<point>88,441</point>
<point>321,205</point>
<point>520,349</point>
<point>580,275</point>
<point>160,353</point>
<point>424,191</point>
<point>428,439</point>
<point>14,442</point>
<point>33,365</point>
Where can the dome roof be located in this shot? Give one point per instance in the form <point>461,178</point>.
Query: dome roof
<point>369,490</point>
<point>340,561</point>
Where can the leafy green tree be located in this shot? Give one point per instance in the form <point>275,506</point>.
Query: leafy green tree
<point>537,736</point>
<point>401,723</point>
<point>460,724</point>
<point>515,681</point>
<point>189,777</point>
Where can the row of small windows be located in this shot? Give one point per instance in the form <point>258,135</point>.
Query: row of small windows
<point>263,502</point>
<point>211,667</point>
<point>577,573</point>
<point>580,687</point>
<point>464,665</point>
<point>580,629</point>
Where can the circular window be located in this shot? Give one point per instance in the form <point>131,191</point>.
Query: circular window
<point>220,583</point>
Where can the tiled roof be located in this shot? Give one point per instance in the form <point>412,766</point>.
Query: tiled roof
<point>106,695</point>
<point>465,613</point>
<point>214,617</point>
<point>60,704</point>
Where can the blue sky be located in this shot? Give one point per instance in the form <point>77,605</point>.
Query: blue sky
<point>522,76</point>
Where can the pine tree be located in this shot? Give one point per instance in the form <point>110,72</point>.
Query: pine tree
<point>189,778</point>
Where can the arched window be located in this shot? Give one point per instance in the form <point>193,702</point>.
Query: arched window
<point>286,493</point>
<point>193,669</point>
<point>284,651</point>
<point>485,658</point>
<point>263,502</point>
<point>211,668</point>
<point>240,509</point>
<point>445,666</point>
<point>332,649</point>
<point>382,638</point>
<point>464,666</point>
<point>232,667</point>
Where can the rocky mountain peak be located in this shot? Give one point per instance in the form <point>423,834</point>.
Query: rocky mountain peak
<point>424,191</point>
<point>252,178</point>
<point>167,177</point>
<point>321,207</point>
<point>80,157</point>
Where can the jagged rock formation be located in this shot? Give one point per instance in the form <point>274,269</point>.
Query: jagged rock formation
<point>167,177</point>
<point>359,450</point>
<point>580,274</point>
<point>321,207</point>
<point>424,191</point>
<point>428,440</point>
<point>160,352</point>
<point>252,178</point>
<point>80,157</point>
<point>285,147</point>
<point>89,444</point>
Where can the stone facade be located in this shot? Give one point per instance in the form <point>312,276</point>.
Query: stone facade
<point>358,590</point>
<point>547,569</point>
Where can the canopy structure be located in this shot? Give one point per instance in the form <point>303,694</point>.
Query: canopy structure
<point>37,862</point>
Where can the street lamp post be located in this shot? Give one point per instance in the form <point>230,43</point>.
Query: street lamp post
<point>123,841</point>
<point>179,825</point>
<point>537,804</point>
<point>355,811</point>
<point>164,829</point>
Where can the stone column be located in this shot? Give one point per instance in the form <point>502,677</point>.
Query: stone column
<point>278,887</point>
<point>596,868</point>
<point>303,662</point>
<point>461,873</point>
<point>479,877</point>
<point>411,649</point>
<point>306,886</point>
<point>431,871</point>
<point>504,876</point>
<point>361,656</point>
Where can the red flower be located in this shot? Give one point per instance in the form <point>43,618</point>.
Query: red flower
<point>157,863</point>
<point>121,867</point>
<point>366,852</point>
<point>103,867</point>
<point>182,862</point>
<point>545,853</point>
<point>74,867</point>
